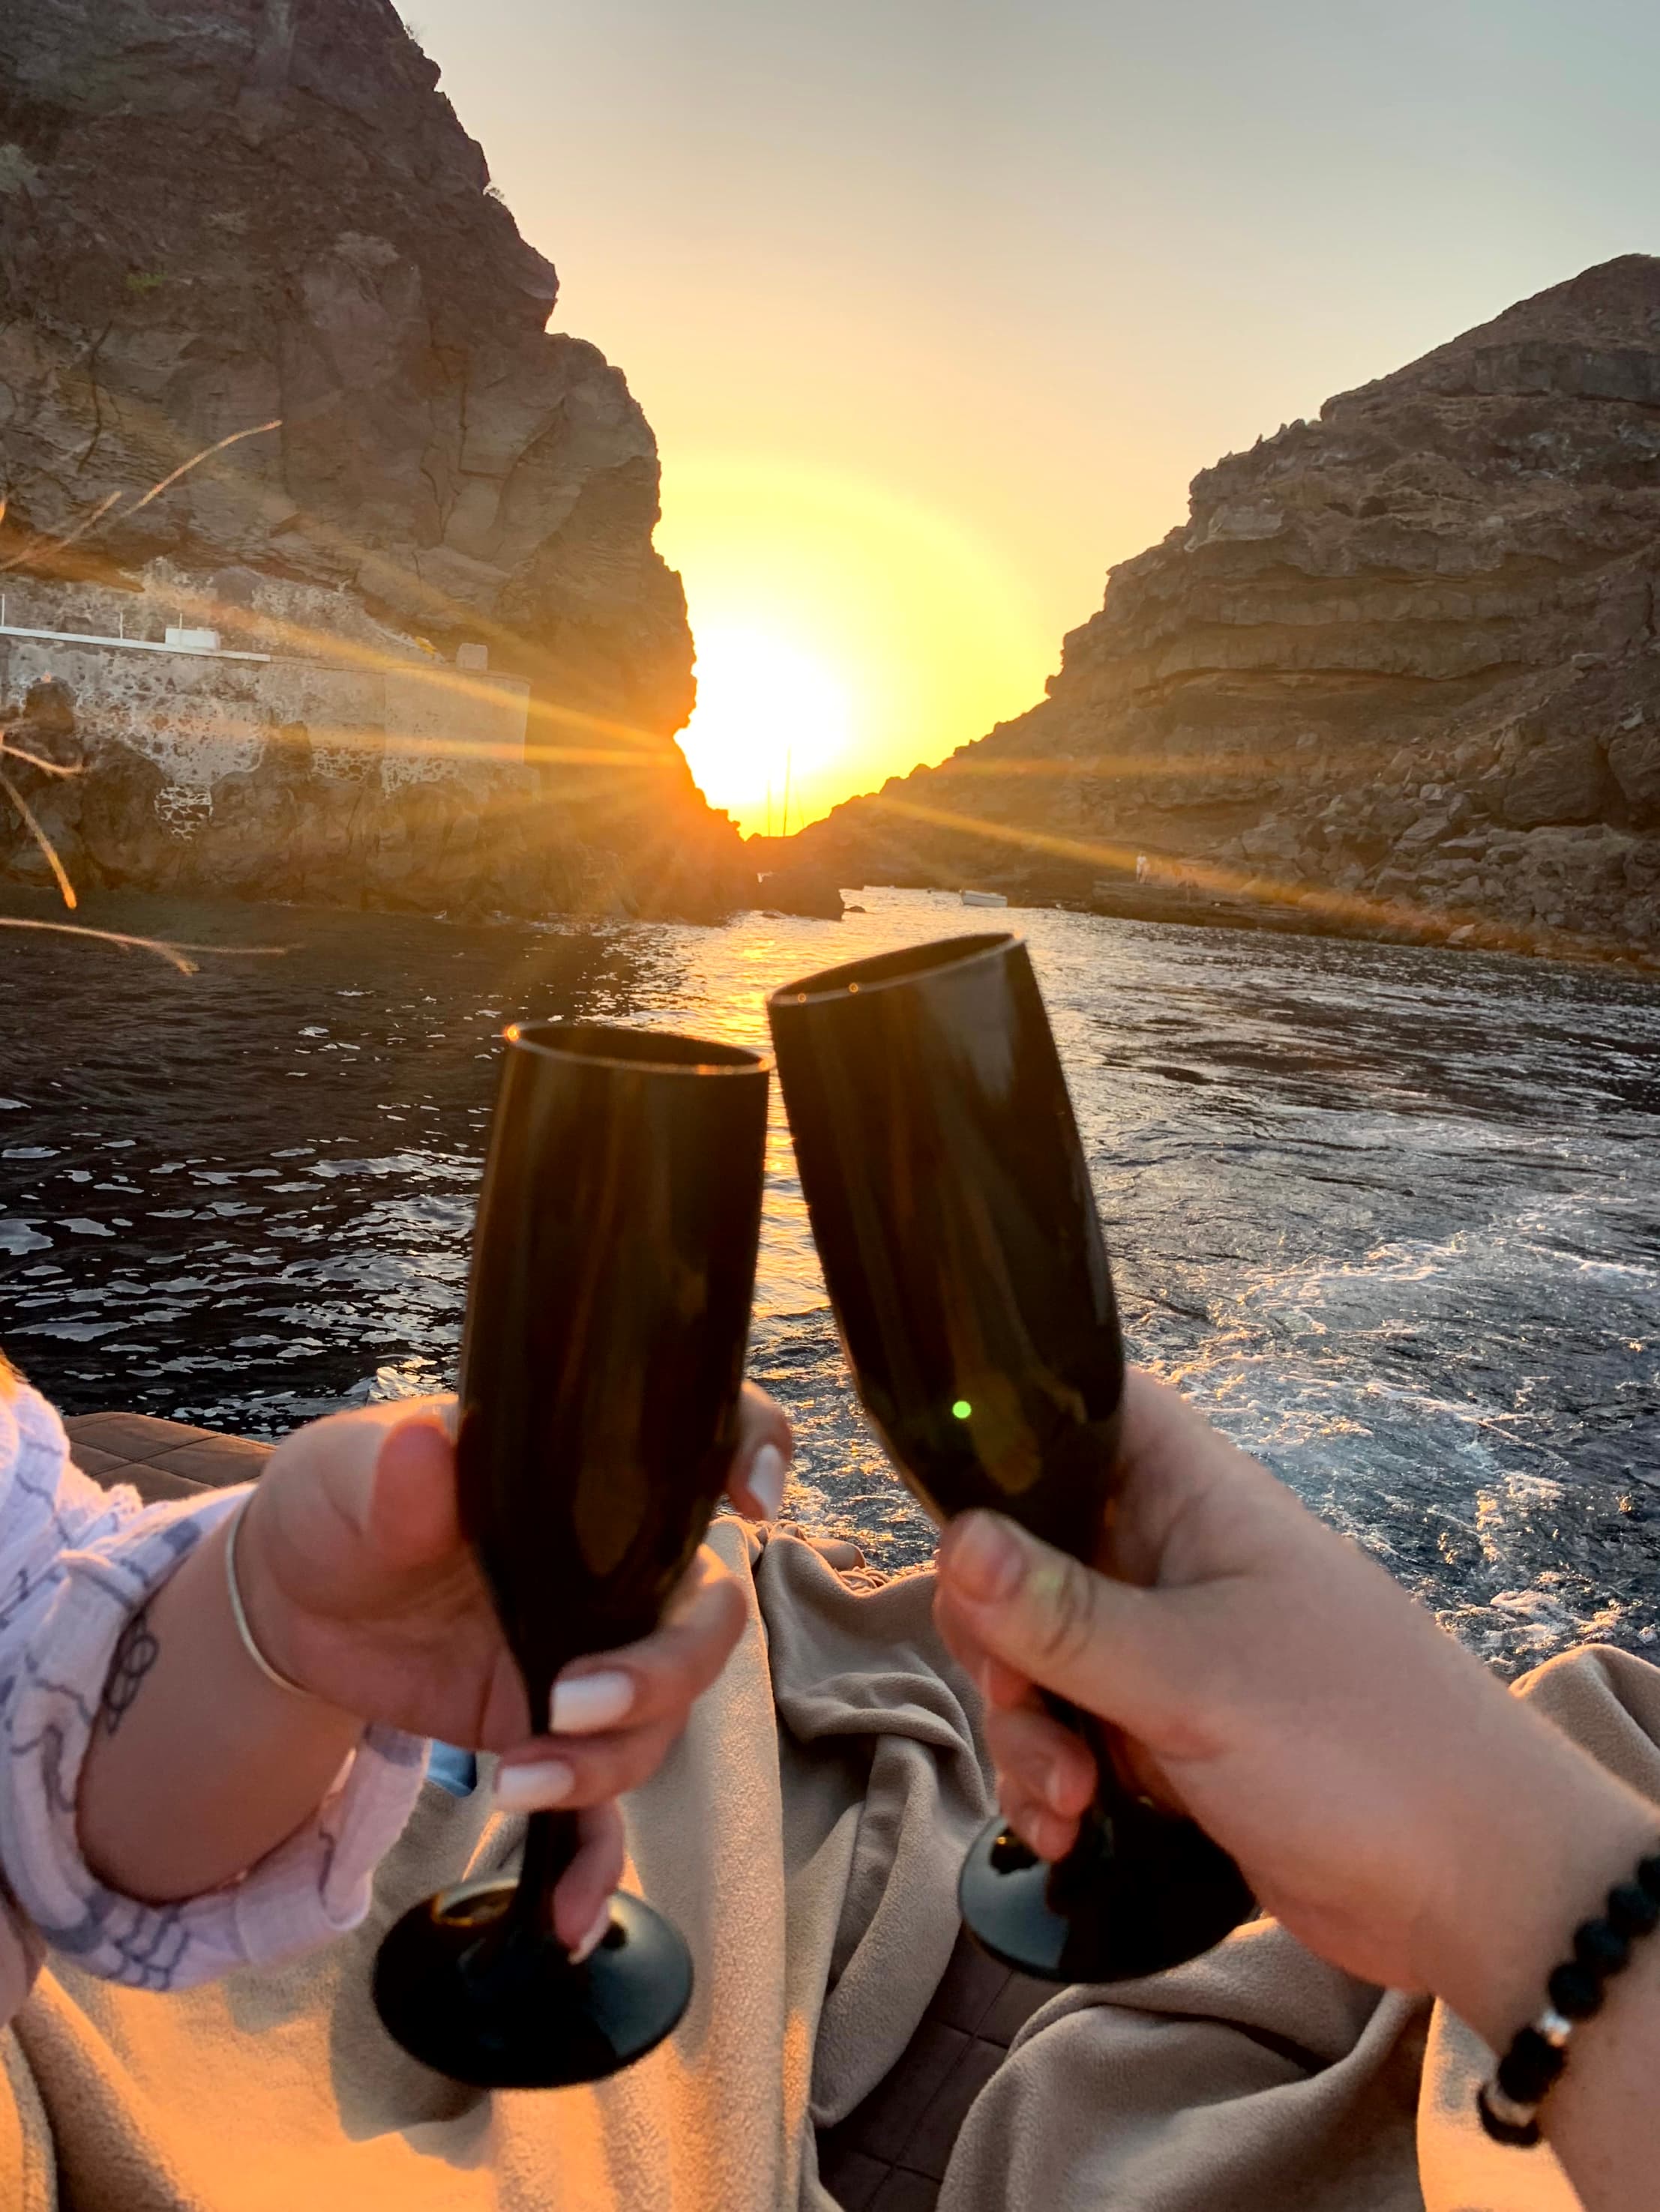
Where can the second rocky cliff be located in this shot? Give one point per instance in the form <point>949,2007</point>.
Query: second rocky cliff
<point>1397,674</point>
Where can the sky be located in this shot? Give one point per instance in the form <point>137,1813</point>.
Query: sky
<point>936,305</point>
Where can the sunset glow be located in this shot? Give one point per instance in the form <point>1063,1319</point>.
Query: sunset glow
<point>936,312</point>
<point>843,632</point>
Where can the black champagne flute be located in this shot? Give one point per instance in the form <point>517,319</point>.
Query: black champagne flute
<point>613,1267</point>
<point>951,1208</point>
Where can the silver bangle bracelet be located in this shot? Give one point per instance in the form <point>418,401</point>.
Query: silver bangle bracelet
<point>239,1612</point>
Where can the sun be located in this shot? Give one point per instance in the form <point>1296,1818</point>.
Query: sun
<point>771,718</point>
<point>842,625</point>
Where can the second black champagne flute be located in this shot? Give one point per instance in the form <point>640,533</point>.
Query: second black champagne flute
<point>607,1315</point>
<point>951,1207</point>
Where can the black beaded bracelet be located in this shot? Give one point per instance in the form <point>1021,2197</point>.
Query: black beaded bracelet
<point>1509,2104</point>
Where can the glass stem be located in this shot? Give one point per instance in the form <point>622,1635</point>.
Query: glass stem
<point>511,1960</point>
<point>550,1844</point>
<point>1109,1828</point>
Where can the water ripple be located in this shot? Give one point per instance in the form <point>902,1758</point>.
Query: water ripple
<point>1390,1215</point>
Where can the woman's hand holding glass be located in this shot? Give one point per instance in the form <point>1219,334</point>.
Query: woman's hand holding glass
<point>1390,1801</point>
<point>360,1588</point>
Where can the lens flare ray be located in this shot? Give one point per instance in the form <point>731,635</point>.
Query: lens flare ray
<point>1358,914</point>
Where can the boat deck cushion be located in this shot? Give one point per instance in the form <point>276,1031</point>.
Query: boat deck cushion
<point>160,1459</point>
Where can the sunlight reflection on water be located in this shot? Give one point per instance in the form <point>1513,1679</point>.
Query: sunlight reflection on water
<point>1389,1215</point>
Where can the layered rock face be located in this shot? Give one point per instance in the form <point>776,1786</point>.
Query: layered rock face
<point>217,215</point>
<point>1399,673</point>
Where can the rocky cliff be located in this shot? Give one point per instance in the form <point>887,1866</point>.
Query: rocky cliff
<point>1398,674</point>
<point>217,215</point>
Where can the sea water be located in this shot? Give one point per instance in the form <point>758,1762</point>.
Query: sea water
<point>1390,1215</point>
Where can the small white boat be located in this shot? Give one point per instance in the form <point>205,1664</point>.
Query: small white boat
<point>983,898</point>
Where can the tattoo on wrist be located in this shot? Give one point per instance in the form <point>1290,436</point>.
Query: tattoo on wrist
<point>137,1651</point>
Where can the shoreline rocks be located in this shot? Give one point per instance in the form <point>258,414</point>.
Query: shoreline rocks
<point>790,882</point>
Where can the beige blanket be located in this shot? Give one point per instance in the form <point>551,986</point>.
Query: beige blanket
<point>801,1852</point>
<point>808,1850</point>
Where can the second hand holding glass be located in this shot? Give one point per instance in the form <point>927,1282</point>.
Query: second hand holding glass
<point>951,1207</point>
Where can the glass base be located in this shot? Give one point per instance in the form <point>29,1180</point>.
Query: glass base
<point>1137,1894</point>
<point>518,2015</point>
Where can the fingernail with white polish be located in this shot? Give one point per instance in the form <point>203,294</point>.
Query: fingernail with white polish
<point>595,1935</point>
<point>767,1480</point>
<point>532,1788</point>
<point>588,1702</point>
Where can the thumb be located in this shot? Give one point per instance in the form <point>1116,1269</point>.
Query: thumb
<point>411,1520</point>
<point>1097,1642</point>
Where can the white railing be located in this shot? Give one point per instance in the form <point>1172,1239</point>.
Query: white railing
<point>122,643</point>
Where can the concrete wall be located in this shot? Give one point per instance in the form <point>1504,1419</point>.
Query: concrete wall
<point>200,718</point>
<point>435,716</point>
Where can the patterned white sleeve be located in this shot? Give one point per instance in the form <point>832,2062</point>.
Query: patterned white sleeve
<point>76,1563</point>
